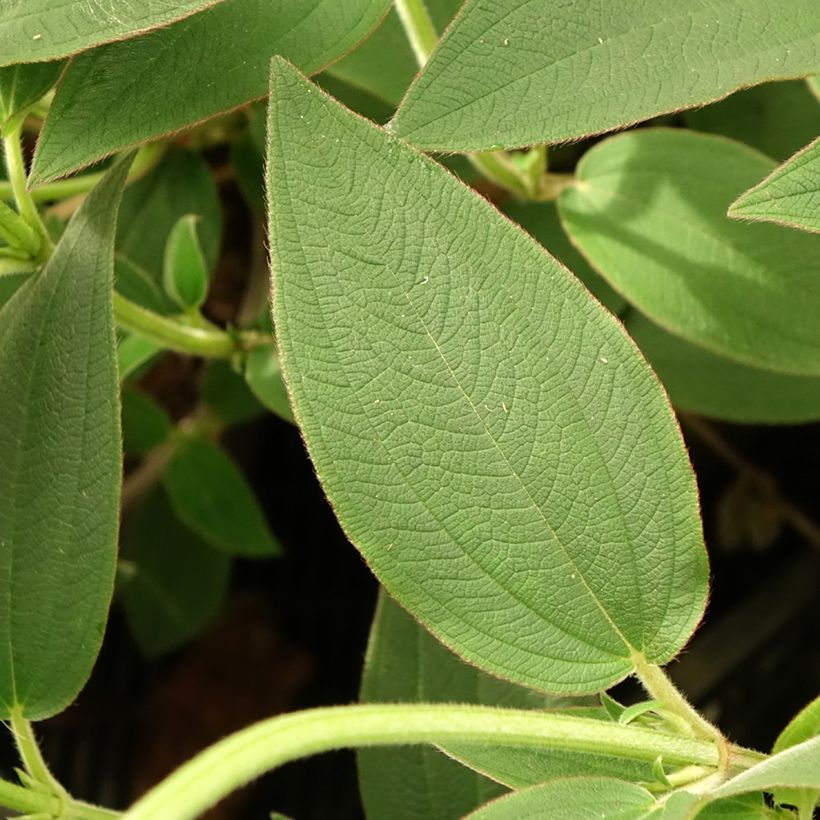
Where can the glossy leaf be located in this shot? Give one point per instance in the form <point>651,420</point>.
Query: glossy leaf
<point>145,424</point>
<point>185,273</point>
<point>649,211</point>
<point>36,30</point>
<point>60,464</point>
<point>804,726</point>
<point>405,663</point>
<point>789,195</point>
<point>22,85</point>
<point>702,382</point>
<point>180,184</point>
<point>210,495</point>
<point>796,766</point>
<point>264,376</point>
<point>173,583</point>
<point>571,799</point>
<point>776,118</point>
<point>200,67</point>
<point>512,73</point>
<point>463,399</point>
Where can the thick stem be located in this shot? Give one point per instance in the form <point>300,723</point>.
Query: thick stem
<point>238,759</point>
<point>173,335</point>
<point>421,32</point>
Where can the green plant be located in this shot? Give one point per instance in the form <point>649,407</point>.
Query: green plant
<point>488,433</point>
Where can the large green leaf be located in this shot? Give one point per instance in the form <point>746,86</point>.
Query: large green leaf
<point>776,118</point>
<point>405,663</point>
<point>572,799</point>
<point>60,464</point>
<point>649,211</point>
<point>699,381</point>
<point>22,85</point>
<point>789,195</point>
<point>188,72</point>
<point>37,30</point>
<point>512,73</point>
<point>485,431</point>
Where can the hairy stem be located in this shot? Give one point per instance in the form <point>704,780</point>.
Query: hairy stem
<point>30,753</point>
<point>419,27</point>
<point>27,801</point>
<point>239,758</point>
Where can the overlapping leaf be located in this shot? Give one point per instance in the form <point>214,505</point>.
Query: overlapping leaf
<point>60,464</point>
<point>125,93</point>
<point>512,73</point>
<point>485,431</point>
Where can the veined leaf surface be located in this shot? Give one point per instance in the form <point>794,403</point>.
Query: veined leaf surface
<point>188,72</point>
<point>789,195</point>
<point>485,431</point>
<point>649,211</point>
<point>510,73</point>
<point>37,30</point>
<point>60,464</point>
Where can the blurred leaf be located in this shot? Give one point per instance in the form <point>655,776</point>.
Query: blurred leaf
<point>188,72</point>
<point>184,273</point>
<point>212,498</point>
<point>133,352</point>
<point>136,284</point>
<point>264,377</point>
<point>180,184</point>
<point>22,85</point>
<point>228,395</point>
<point>649,212</point>
<point>60,464</point>
<point>790,195</point>
<point>776,118</point>
<point>145,424</point>
<point>702,382</point>
<point>10,284</point>
<point>172,583</point>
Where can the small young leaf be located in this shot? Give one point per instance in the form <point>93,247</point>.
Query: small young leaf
<point>137,285</point>
<point>37,30</point>
<point>180,184</point>
<point>22,85</point>
<point>790,195</point>
<point>145,424</point>
<point>510,73</point>
<point>649,211</point>
<point>60,464</point>
<point>228,395</point>
<point>133,352</point>
<point>176,583</point>
<point>185,275</point>
<point>264,377</point>
<point>463,399</point>
<point>571,799</point>
<point>636,710</point>
<point>613,709</point>
<point>211,497</point>
<point>804,726</point>
<point>99,109</point>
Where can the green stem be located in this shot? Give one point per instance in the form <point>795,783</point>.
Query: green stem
<point>77,810</point>
<point>421,32</point>
<point>497,167</point>
<point>173,335</point>
<point>17,232</point>
<point>27,801</point>
<point>30,753</point>
<point>25,204</point>
<point>239,758</point>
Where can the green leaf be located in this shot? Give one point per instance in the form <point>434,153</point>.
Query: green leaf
<point>814,85</point>
<point>649,212</point>
<point>804,726</point>
<point>211,497</point>
<point>540,221</point>
<point>22,85</point>
<point>776,118</point>
<point>405,664</point>
<point>702,382</point>
<point>60,464</point>
<point>145,424</point>
<point>173,583</point>
<point>571,799</point>
<point>463,398</point>
<point>10,283</point>
<point>137,285</point>
<point>133,352</point>
<point>510,73</point>
<point>264,376</point>
<point>37,30</point>
<point>228,395</point>
<point>185,275</point>
<point>790,195</point>
<point>188,72</point>
<point>797,766</point>
<point>180,184</point>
